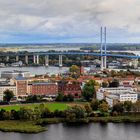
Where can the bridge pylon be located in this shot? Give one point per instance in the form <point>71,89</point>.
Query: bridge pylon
<point>103,49</point>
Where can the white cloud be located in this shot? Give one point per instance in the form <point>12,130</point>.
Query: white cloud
<point>70,18</point>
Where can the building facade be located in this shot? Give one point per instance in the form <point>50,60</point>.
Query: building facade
<point>3,88</point>
<point>14,74</point>
<point>115,95</point>
<point>21,86</point>
<point>44,88</point>
<point>73,88</point>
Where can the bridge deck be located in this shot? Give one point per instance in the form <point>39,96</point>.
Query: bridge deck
<point>71,53</point>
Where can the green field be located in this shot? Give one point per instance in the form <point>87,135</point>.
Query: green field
<point>51,106</point>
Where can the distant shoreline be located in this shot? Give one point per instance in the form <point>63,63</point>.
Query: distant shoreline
<point>124,47</point>
<point>35,49</point>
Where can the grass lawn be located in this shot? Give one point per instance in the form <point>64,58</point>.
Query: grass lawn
<point>20,126</point>
<point>52,106</point>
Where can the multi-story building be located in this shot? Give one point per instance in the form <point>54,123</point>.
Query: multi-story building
<point>111,99</point>
<point>14,74</point>
<point>119,94</point>
<point>29,89</point>
<point>116,90</point>
<point>21,86</point>
<point>44,88</point>
<point>127,82</point>
<point>73,88</point>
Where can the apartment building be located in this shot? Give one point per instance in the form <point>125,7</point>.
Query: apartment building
<point>43,88</point>
<point>119,94</point>
<point>21,86</point>
<point>70,87</point>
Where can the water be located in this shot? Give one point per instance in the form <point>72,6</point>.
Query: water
<point>48,49</point>
<point>134,52</point>
<point>38,48</point>
<point>37,70</point>
<point>94,131</point>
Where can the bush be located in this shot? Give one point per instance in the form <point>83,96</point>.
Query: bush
<point>74,113</point>
<point>94,104</point>
<point>66,98</point>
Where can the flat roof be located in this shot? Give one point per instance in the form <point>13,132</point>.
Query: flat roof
<point>112,96</point>
<point>20,78</point>
<point>42,83</point>
<point>7,85</point>
<point>14,71</point>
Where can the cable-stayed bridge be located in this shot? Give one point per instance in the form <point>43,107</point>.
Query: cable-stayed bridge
<point>102,54</point>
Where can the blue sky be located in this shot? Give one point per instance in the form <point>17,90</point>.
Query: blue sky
<point>69,21</point>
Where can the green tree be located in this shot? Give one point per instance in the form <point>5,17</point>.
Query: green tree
<point>60,97</point>
<point>15,115</point>
<point>26,114</point>
<point>42,107</point>
<point>68,98</point>
<point>32,98</point>
<point>114,83</point>
<point>7,115</point>
<point>65,98</point>
<point>105,84</point>
<point>8,95</point>
<point>45,113</point>
<point>75,71</point>
<point>75,112</point>
<point>104,107</point>
<point>2,111</point>
<point>136,106</point>
<point>88,109</point>
<point>36,113</point>
<point>94,104</point>
<point>127,105</point>
<point>89,90</point>
<point>118,108</point>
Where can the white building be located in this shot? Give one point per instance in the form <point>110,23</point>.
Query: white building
<point>117,90</point>
<point>114,65</point>
<point>133,97</point>
<point>14,74</point>
<point>112,99</point>
<point>17,64</point>
<point>114,95</point>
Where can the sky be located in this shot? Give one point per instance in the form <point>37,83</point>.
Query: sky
<point>69,21</point>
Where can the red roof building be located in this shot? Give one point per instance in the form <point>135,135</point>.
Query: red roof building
<point>73,88</point>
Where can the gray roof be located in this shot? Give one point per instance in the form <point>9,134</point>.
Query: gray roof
<point>42,83</point>
<point>20,78</point>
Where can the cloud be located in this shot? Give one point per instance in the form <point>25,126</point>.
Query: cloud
<point>69,19</point>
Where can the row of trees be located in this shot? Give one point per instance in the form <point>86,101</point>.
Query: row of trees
<point>72,113</point>
<point>41,111</point>
<point>117,109</point>
<point>127,106</point>
<point>93,109</point>
<point>64,98</point>
<point>29,114</point>
<point>100,108</point>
